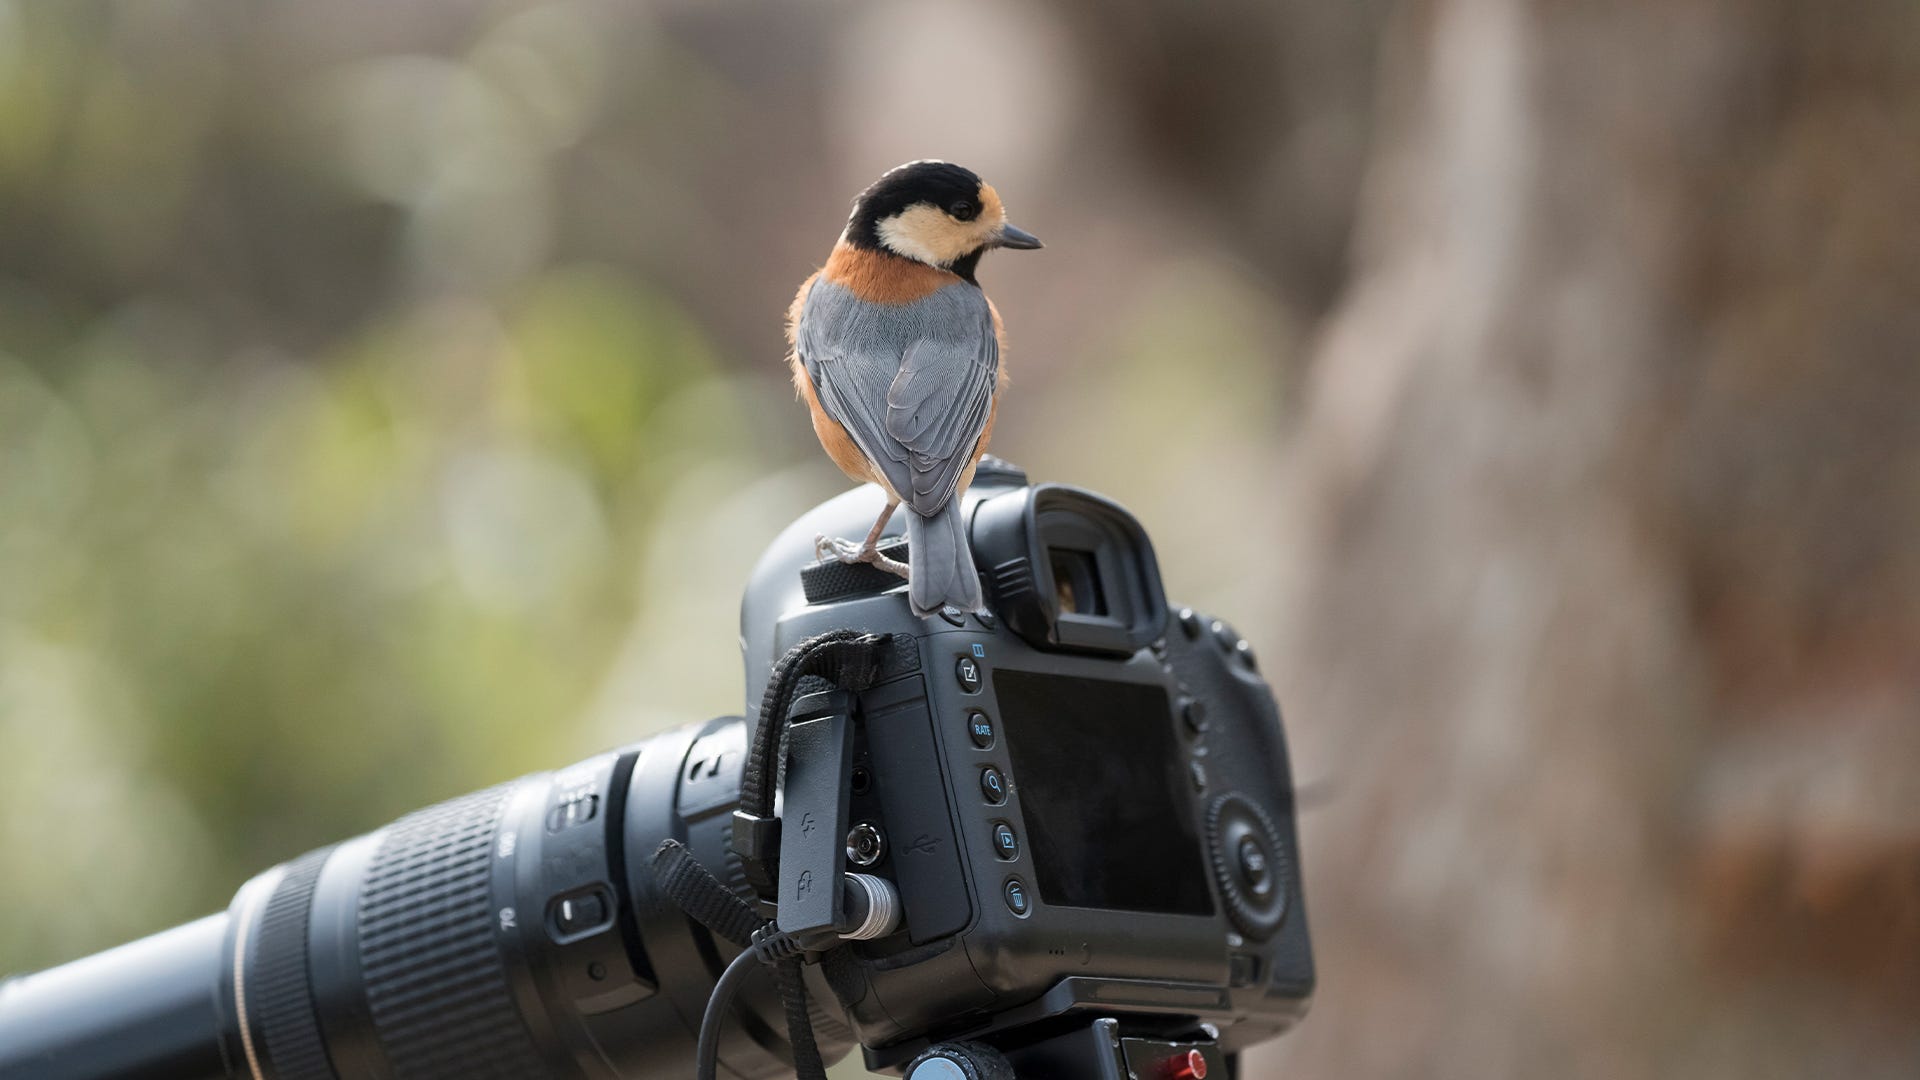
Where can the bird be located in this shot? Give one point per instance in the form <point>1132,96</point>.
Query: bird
<point>897,352</point>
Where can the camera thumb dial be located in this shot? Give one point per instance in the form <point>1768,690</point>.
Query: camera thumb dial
<point>1249,865</point>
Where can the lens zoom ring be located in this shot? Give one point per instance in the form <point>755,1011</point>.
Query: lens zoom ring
<point>436,983</point>
<point>278,992</point>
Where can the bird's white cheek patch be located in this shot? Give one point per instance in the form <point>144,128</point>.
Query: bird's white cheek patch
<point>905,233</point>
<point>926,233</point>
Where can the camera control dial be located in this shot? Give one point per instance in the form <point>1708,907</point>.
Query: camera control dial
<point>1249,865</point>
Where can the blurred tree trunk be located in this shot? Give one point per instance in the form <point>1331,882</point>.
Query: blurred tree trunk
<point>1606,568</point>
<point>1257,110</point>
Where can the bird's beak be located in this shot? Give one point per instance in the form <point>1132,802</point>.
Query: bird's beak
<point>1019,239</point>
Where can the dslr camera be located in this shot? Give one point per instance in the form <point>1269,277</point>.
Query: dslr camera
<point>1054,839</point>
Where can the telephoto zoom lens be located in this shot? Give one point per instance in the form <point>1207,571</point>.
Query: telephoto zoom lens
<point>512,932</point>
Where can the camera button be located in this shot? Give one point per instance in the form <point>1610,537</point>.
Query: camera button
<point>993,785</point>
<point>1228,639</point>
<point>1005,843</point>
<point>967,671</point>
<point>986,618</point>
<point>1018,901</point>
<point>1190,623</point>
<point>1243,969</point>
<point>1255,869</point>
<point>953,616</point>
<point>1194,712</point>
<point>980,729</point>
<point>581,913</point>
<point>575,811</point>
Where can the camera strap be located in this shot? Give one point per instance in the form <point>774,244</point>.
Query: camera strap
<point>710,903</point>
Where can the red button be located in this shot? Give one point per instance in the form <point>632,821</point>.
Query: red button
<point>1191,1067</point>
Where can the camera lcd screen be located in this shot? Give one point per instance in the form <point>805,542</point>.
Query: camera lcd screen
<point>1103,787</point>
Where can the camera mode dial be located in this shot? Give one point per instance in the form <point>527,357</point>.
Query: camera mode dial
<point>1249,864</point>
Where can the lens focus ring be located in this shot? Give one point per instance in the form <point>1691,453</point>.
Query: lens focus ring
<point>278,992</point>
<point>436,984</point>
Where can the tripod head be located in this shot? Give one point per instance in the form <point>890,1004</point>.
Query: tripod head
<point>1098,1051</point>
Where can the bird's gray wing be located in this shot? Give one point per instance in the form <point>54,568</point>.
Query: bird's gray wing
<point>911,383</point>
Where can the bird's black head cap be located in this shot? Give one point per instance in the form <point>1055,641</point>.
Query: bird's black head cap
<point>936,213</point>
<point>938,183</point>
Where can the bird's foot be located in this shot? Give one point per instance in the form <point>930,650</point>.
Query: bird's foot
<point>846,551</point>
<point>835,548</point>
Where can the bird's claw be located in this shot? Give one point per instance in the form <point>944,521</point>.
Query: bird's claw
<point>842,550</point>
<point>826,548</point>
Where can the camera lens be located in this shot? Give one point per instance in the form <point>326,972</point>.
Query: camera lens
<point>515,931</point>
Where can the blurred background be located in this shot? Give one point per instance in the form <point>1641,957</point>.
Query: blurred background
<point>391,397</point>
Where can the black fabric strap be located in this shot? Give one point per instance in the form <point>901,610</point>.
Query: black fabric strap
<point>847,658</point>
<point>711,904</point>
<point>807,1064</point>
<point>702,896</point>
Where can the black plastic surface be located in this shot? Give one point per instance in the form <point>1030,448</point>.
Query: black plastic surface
<point>814,814</point>
<point>907,774</point>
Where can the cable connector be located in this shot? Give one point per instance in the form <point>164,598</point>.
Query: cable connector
<point>872,907</point>
<point>757,841</point>
<point>772,945</point>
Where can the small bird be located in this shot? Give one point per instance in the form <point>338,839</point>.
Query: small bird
<point>896,350</point>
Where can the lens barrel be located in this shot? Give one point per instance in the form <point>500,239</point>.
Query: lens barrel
<point>147,1008</point>
<point>511,932</point>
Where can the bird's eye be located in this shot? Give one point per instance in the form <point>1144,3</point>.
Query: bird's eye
<point>964,209</point>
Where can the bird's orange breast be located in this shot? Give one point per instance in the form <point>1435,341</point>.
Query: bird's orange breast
<point>880,278</point>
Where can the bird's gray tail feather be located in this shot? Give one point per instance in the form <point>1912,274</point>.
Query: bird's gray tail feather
<point>940,564</point>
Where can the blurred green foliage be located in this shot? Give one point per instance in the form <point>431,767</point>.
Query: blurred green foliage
<point>304,594</point>
<point>327,480</point>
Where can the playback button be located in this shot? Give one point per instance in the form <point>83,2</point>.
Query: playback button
<point>1005,843</point>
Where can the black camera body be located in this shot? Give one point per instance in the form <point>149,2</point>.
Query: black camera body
<point>1085,800</point>
<point>1081,802</point>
